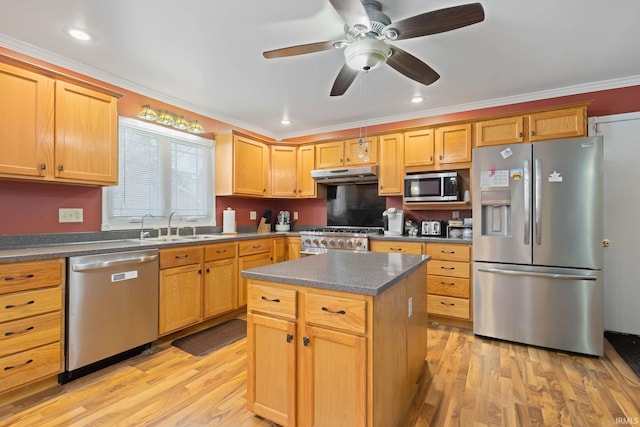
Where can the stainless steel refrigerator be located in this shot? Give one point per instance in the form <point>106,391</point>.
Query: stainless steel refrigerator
<point>537,244</point>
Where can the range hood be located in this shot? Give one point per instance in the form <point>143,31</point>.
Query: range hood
<point>347,175</point>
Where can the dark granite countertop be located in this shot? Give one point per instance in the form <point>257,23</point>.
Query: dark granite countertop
<point>366,273</point>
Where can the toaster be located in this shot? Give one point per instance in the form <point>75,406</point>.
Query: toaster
<point>431,228</point>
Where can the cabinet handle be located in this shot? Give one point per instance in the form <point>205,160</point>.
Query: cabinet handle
<point>440,156</point>
<point>221,251</point>
<point>264,190</point>
<point>520,134</point>
<point>43,166</point>
<point>289,338</point>
<point>19,305</point>
<point>381,187</point>
<point>449,304</point>
<point>6,368</point>
<point>533,133</point>
<point>333,312</point>
<point>182,256</point>
<point>447,252</point>
<point>8,334</point>
<point>341,160</point>
<point>270,300</point>
<point>395,249</point>
<point>256,246</point>
<point>26,276</point>
<point>447,268</point>
<point>60,168</point>
<point>447,283</point>
<point>305,341</point>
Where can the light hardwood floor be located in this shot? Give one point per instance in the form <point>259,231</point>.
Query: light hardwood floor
<point>474,382</point>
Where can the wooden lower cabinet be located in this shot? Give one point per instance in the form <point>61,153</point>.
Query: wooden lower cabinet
<point>180,298</point>
<point>220,287</point>
<point>293,248</point>
<point>325,358</point>
<point>449,282</point>
<point>396,246</point>
<point>31,322</point>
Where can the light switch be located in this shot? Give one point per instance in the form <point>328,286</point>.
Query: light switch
<point>252,215</point>
<point>295,216</point>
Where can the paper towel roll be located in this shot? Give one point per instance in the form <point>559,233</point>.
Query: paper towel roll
<point>228,221</point>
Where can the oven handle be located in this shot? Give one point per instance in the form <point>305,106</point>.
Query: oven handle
<point>106,264</point>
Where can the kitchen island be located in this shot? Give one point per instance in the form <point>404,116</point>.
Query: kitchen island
<point>337,339</point>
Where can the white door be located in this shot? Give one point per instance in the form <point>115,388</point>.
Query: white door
<point>621,134</point>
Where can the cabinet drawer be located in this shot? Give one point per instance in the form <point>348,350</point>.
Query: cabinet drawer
<point>396,247</point>
<point>248,247</point>
<point>29,275</point>
<point>449,251</point>
<point>449,286</point>
<point>335,312</point>
<point>29,303</point>
<point>31,365</point>
<point>270,300</point>
<point>18,335</point>
<point>448,306</point>
<point>180,256</point>
<point>449,268</point>
<point>220,251</point>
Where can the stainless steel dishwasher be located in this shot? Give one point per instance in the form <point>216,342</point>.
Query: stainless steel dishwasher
<point>112,309</point>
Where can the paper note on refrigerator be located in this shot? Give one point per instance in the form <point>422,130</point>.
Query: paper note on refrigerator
<point>495,178</point>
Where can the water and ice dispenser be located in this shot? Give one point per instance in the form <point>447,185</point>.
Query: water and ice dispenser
<point>496,213</point>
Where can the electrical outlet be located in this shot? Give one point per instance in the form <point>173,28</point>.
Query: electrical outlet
<point>70,215</point>
<point>253,215</point>
<point>295,216</point>
<point>455,215</point>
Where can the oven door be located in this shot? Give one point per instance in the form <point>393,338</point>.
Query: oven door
<point>423,188</point>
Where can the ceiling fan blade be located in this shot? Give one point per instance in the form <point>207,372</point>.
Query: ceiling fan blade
<point>353,14</point>
<point>298,50</point>
<point>412,67</point>
<point>346,76</point>
<point>439,21</point>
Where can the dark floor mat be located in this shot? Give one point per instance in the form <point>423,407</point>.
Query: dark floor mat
<point>628,347</point>
<point>204,342</point>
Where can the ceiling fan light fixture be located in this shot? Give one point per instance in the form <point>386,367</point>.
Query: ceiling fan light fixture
<point>366,54</point>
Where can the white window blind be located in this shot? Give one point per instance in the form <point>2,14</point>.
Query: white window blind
<point>160,171</point>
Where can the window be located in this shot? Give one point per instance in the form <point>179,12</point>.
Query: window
<point>160,171</point>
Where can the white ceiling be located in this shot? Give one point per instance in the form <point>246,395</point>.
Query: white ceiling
<point>206,56</point>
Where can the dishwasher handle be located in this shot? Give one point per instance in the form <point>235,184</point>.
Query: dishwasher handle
<point>107,264</point>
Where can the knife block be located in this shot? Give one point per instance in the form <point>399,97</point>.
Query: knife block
<point>263,227</point>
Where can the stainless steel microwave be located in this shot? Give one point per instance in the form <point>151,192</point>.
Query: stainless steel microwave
<point>432,187</point>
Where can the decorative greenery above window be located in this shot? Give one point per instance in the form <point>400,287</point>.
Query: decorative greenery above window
<point>160,171</point>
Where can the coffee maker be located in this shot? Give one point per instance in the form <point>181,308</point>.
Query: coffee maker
<point>393,221</point>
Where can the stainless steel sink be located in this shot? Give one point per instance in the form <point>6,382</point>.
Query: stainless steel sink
<point>169,239</point>
<point>204,237</point>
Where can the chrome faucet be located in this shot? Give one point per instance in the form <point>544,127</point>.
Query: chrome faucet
<point>142,232</point>
<point>169,224</point>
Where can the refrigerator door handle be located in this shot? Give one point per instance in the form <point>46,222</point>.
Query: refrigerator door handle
<point>538,202</point>
<point>527,204</point>
<point>537,274</point>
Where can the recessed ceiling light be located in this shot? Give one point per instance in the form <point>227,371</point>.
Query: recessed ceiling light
<point>285,121</point>
<point>78,34</point>
<point>417,99</point>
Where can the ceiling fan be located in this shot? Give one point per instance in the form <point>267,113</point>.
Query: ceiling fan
<point>367,30</point>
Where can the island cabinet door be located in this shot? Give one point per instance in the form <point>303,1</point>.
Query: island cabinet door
<point>335,378</point>
<point>271,375</point>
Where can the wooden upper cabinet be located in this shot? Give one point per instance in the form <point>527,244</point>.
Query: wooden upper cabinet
<point>307,186</point>
<point>507,130</point>
<point>361,151</point>
<point>86,143</point>
<point>453,144</point>
<point>351,152</point>
<point>330,154</point>
<point>391,167</point>
<point>26,123</point>
<point>284,171</point>
<point>418,147</point>
<point>564,123</point>
<point>242,166</point>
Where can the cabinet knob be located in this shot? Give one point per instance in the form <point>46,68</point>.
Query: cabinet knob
<point>60,168</point>
<point>520,134</point>
<point>431,158</point>
<point>533,133</point>
<point>305,341</point>
<point>289,338</point>
<point>440,156</point>
<point>43,166</point>
<point>348,159</point>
